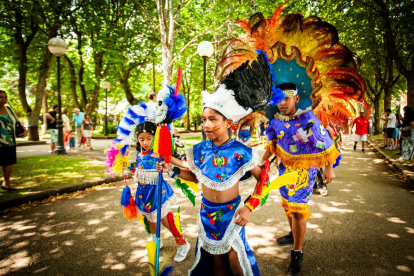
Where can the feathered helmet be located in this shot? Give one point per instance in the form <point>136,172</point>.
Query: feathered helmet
<point>171,104</point>
<point>248,88</point>
<point>305,52</point>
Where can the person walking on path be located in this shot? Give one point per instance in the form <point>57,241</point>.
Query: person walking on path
<point>8,121</point>
<point>407,134</point>
<point>86,129</point>
<point>77,118</point>
<point>66,126</point>
<point>151,105</point>
<point>361,130</point>
<point>52,127</point>
<point>390,119</point>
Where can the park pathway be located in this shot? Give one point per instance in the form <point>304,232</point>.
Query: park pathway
<point>365,226</point>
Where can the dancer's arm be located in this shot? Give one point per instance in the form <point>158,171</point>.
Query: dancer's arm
<point>184,174</point>
<point>178,162</point>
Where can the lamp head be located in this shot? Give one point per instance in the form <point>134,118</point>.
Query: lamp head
<point>57,46</point>
<point>106,85</point>
<point>205,49</point>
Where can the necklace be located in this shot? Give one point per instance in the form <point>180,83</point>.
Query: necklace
<point>146,152</point>
<point>219,161</point>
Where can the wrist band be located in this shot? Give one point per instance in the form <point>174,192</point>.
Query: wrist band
<point>176,170</point>
<point>174,173</point>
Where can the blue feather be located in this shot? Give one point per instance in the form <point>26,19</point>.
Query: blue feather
<point>126,195</point>
<point>167,271</point>
<point>124,131</point>
<point>143,105</point>
<point>129,121</point>
<point>132,114</point>
<point>117,140</point>
<point>172,89</point>
<point>123,150</point>
<point>277,96</point>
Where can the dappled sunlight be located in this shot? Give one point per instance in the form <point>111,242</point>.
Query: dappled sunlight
<point>403,268</point>
<point>329,209</point>
<point>396,220</point>
<point>395,236</point>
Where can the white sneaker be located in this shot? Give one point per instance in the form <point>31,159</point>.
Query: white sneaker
<point>182,252</point>
<point>154,239</point>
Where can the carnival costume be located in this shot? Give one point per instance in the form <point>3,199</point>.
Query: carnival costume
<point>307,53</point>
<point>221,167</point>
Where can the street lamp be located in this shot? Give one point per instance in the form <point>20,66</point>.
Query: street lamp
<point>58,47</point>
<point>204,49</point>
<point>106,85</point>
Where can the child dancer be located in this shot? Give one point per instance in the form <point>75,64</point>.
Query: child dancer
<point>71,138</point>
<point>146,194</point>
<point>314,70</point>
<point>218,164</point>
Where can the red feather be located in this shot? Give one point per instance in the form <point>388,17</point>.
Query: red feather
<point>177,85</point>
<point>165,146</point>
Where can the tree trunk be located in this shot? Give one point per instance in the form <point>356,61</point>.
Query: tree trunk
<point>410,91</point>
<point>124,80</point>
<point>45,110</point>
<point>387,97</point>
<point>33,119</point>
<point>73,82</point>
<point>377,114</point>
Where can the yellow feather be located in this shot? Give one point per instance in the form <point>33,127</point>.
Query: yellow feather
<point>151,248</point>
<point>287,178</point>
<point>156,142</point>
<point>141,219</point>
<point>177,221</point>
<point>192,185</point>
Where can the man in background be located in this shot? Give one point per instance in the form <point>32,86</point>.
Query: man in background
<point>361,130</point>
<point>77,118</point>
<point>52,127</point>
<point>151,106</point>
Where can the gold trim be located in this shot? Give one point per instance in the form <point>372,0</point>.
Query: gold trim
<point>291,117</point>
<point>311,160</point>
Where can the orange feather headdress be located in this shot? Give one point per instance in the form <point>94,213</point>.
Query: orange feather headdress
<point>303,51</point>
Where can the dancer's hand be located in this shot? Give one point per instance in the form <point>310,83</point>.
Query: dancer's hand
<point>165,167</point>
<point>244,216</point>
<point>328,174</point>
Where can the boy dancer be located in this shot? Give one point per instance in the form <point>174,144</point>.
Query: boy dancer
<point>314,70</point>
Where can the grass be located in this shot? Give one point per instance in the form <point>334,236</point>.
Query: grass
<point>191,141</point>
<point>42,172</point>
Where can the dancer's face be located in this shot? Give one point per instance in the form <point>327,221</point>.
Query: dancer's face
<point>214,124</point>
<point>144,140</point>
<point>288,105</point>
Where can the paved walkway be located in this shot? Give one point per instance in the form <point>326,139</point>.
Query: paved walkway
<point>365,226</point>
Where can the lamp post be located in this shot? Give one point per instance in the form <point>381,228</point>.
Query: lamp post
<point>106,85</point>
<point>58,47</point>
<point>205,49</point>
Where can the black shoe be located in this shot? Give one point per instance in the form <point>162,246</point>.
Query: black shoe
<point>363,151</point>
<point>296,259</point>
<point>355,147</point>
<point>286,240</point>
<point>7,188</point>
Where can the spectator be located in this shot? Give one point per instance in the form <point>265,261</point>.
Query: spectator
<point>52,127</point>
<point>371,125</point>
<point>390,119</point>
<point>66,126</point>
<point>361,129</point>
<point>151,105</point>
<point>77,118</point>
<point>407,133</point>
<point>397,133</point>
<point>7,140</point>
<point>86,129</point>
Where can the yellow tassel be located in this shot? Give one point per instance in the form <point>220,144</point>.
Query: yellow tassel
<point>307,161</point>
<point>151,248</point>
<point>120,162</point>
<point>141,219</point>
<point>177,221</point>
<point>298,208</point>
<point>192,185</point>
<point>284,204</point>
<point>156,140</point>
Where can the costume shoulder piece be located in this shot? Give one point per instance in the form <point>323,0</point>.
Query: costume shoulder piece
<point>302,140</point>
<point>220,169</point>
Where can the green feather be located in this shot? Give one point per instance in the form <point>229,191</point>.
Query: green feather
<point>264,199</point>
<point>146,225</point>
<point>186,190</point>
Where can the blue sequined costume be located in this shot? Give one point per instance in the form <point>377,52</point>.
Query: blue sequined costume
<point>146,195</point>
<point>303,145</point>
<point>217,232</point>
